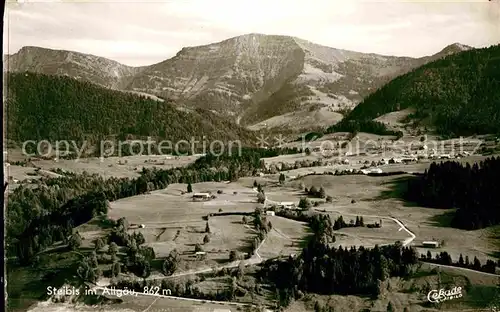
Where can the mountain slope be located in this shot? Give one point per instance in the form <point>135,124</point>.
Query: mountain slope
<point>256,77</point>
<point>458,95</point>
<point>223,75</point>
<point>249,78</point>
<point>41,107</point>
<point>77,65</point>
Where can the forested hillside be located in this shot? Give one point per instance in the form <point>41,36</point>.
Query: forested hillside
<point>471,189</point>
<point>41,107</point>
<point>459,94</point>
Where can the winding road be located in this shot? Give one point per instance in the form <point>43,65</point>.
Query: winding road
<point>406,242</point>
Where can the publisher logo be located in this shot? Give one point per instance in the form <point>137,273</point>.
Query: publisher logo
<point>436,296</point>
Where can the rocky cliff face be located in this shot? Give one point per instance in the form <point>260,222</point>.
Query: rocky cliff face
<point>222,76</point>
<point>250,78</point>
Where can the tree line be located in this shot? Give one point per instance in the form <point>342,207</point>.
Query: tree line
<point>363,125</point>
<point>444,258</point>
<point>471,189</point>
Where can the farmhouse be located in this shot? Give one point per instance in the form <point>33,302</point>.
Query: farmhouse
<point>287,205</point>
<point>201,196</point>
<point>395,161</point>
<point>409,160</point>
<point>373,170</point>
<point>430,244</point>
<point>384,161</point>
<point>270,213</point>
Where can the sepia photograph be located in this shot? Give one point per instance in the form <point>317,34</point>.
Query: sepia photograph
<point>251,156</point>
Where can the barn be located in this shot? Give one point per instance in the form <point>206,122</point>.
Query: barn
<point>201,196</point>
<point>430,244</point>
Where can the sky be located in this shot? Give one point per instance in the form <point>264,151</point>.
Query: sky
<point>145,32</point>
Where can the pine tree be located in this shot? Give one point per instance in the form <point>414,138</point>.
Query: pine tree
<point>477,264</point>
<point>304,203</point>
<point>282,178</point>
<point>75,241</point>
<point>93,259</point>
<point>261,197</point>
<point>313,191</point>
<point>207,228</point>
<point>259,188</point>
<point>189,188</point>
<point>113,249</point>
<point>98,244</point>
<point>322,193</point>
<point>198,248</point>
<point>116,269</point>
<point>170,263</point>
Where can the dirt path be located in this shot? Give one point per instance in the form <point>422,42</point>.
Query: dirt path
<point>138,293</point>
<point>407,241</point>
<point>161,233</point>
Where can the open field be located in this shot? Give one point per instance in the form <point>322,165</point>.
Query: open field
<point>373,197</point>
<point>170,206</point>
<point>368,237</point>
<point>172,220</point>
<point>394,119</point>
<point>285,238</point>
<point>126,166</point>
<point>323,117</point>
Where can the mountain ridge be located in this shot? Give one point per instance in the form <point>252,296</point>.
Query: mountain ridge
<point>456,95</point>
<point>247,78</point>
